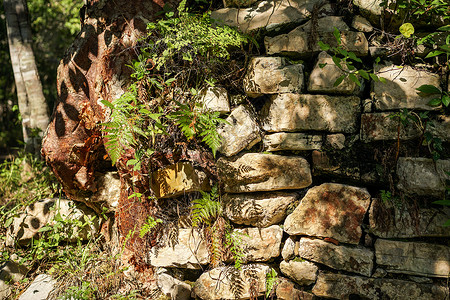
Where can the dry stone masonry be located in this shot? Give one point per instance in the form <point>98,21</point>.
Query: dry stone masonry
<point>308,169</point>
<point>321,182</point>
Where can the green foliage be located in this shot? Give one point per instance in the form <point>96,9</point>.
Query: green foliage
<point>347,61</point>
<point>418,9</point>
<point>206,209</point>
<point>407,29</point>
<point>84,292</point>
<point>190,35</point>
<point>148,226</point>
<point>271,282</point>
<point>235,245</point>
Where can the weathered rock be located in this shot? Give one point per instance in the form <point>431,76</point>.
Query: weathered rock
<point>190,252</point>
<point>302,272</point>
<point>173,287</point>
<point>242,131</point>
<point>291,141</point>
<point>271,75</point>
<point>399,90</point>
<point>288,251</point>
<point>361,24</point>
<point>296,43</point>
<point>371,7</point>
<point>323,163</point>
<point>339,257</point>
<point>337,141</point>
<point>10,272</point>
<point>286,290</point>
<point>178,179</point>
<point>380,127</point>
<point>239,3</point>
<point>268,15</point>
<point>257,209</point>
<point>339,286</point>
<point>326,24</point>
<point>322,79</point>
<point>422,176</point>
<point>108,190</point>
<point>295,112</point>
<point>26,226</point>
<point>231,283</point>
<point>441,128</point>
<point>389,221</point>
<point>260,244</point>
<point>215,99</point>
<point>252,172</point>
<point>413,258</point>
<point>330,210</point>
<point>40,288</point>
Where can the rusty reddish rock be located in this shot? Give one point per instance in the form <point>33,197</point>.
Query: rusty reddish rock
<point>330,210</point>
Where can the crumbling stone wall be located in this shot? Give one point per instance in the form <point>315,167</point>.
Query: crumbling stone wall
<point>303,165</point>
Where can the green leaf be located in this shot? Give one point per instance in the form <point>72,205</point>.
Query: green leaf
<point>322,65</point>
<point>429,89</point>
<point>407,29</point>
<point>354,79</point>
<point>323,46</point>
<point>337,35</point>
<point>445,100</point>
<point>444,28</point>
<point>107,104</point>
<point>434,53</point>
<point>337,61</point>
<point>339,80</point>
<point>442,202</point>
<point>435,102</point>
<point>363,74</point>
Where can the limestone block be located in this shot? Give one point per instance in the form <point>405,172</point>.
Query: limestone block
<point>326,24</point>
<point>371,7</point>
<point>330,210</point>
<point>242,131</point>
<point>399,90</point>
<point>337,141</point>
<point>26,226</point>
<point>296,42</point>
<point>178,179</point>
<point>108,190</point>
<point>413,258</point>
<point>361,24</point>
<point>10,272</point>
<point>292,141</point>
<point>257,209</point>
<point>239,3</point>
<point>173,287</point>
<point>260,244</point>
<point>380,127</point>
<point>339,257</point>
<point>215,99</point>
<point>295,112</point>
<point>322,79</point>
<point>253,172</point>
<point>268,15</point>
<point>288,251</point>
<point>40,288</point>
<point>229,283</point>
<point>286,290</point>
<point>339,286</point>
<point>389,221</point>
<point>271,75</point>
<point>190,252</point>
<point>441,127</point>
<point>422,176</point>
<point>302,272</point>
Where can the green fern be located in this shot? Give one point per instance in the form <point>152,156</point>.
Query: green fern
<point>148,226</point>
<point>206,209</point>
<point>271,281</point>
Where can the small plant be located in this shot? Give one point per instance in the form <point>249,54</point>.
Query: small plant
<point>85,292</point>
<point>206,209</point>
<point>346,60</point>
<point>149,225</point>
<point>271,282</point>
<point>443,98</point>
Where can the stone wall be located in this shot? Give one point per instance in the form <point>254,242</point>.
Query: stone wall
<point>328,188</point>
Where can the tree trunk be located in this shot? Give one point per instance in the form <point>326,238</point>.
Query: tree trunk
<point>32,105</point>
